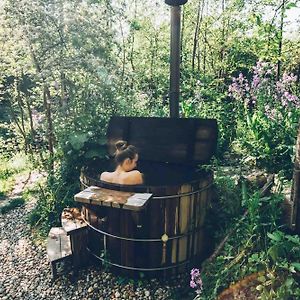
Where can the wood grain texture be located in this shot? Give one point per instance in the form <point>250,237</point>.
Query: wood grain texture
<point>170,139</point>
<point>71,220</point>
<point>117,199</point>
<point>171,216</point>
<point>58,244</point>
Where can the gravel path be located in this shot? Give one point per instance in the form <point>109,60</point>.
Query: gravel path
<point>25,271</point>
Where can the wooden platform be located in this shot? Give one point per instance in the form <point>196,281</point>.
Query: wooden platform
<point>76,229</point>
<point>58,244</point>
<point>58,247</point>
<point>71,220</point>
<point>117,199</point>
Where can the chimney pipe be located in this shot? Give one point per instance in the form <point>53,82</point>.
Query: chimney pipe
<point>175,56</point>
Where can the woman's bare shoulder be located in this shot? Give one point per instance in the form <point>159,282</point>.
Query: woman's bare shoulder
<point>137,172</point>
<point>134,177</point>
<point>105,175</point>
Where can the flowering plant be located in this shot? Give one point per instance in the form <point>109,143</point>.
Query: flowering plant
<point>196,282</point>
<point>267,113</point>
<point>264,92</point>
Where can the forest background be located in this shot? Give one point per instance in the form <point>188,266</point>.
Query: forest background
<point>68,66</point>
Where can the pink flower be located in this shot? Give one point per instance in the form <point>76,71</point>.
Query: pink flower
<point>196,281</point>
<point>194,273</point>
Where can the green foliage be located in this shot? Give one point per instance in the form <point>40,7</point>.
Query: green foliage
<point>225,207</point>
<point>267,116</point>
<point>67,67</point>
<point>283,249</point>
<point>209,100</point>
<point>258,244</point>
<point>47,212</point>
<point>9,169</point>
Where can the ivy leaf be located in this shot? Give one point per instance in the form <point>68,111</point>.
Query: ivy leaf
<point>291,5</point>
<point>289,282</point>
<point>276,236</point>
<point>258,20</point>
<point>296,265</point>
<point>293,239</point>
<point>273,252</point>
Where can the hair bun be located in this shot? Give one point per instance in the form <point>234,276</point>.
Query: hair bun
<point>121,145</point>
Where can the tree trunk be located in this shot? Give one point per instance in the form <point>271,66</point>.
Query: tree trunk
<point>296,185</point>
<point>32,130</point>
<point>124,55</point>
<point>182,30</point>
<point>221,55</point>
<point>63,94</point>
<point>20,104</point>
<point>196,34</point>
<point>14,117</point>
<point>133,39</point>
<point>204,50</point>
<point>47,105</point>
<point>280,40</point>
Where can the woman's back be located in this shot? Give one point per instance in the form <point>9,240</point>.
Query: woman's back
<point>126,158</point>
<point>131,177</point>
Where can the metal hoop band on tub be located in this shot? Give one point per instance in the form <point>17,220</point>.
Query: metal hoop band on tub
<point>137,269</point>
<point>139,240</point>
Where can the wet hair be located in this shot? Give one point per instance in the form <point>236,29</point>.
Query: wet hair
<point>124,151</point>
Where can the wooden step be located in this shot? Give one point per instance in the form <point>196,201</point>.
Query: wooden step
<point>76,229</point>
<point>58,244</point>
<point>71,220</point>
<point>58,247</point>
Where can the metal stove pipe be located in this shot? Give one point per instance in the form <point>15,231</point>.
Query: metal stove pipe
<point>175,56</point>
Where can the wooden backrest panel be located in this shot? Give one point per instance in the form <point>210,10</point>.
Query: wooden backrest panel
<point>186,141</point>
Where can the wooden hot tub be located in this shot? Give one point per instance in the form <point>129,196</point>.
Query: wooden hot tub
<point>166,233</point>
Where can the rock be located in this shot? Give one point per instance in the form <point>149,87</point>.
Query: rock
<point>91,289</point>
<point>117,294</point>
<point>147,293</point>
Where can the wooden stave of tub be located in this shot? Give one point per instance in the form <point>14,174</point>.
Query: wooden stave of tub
<point>182,216</point>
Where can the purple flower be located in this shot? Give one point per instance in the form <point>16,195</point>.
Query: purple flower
<point>193,284</point>
<point>196,281</point>
<point>255,81</point>
<point>194,273</point>
<point>289,78</point>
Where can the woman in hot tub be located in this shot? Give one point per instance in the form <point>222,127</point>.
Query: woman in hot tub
<point>126,157</point>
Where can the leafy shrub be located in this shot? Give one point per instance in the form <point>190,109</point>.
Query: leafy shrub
<point>256,245</point>
<point>268,114</point>
<point>225,207</point>
<point>210,100</point>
